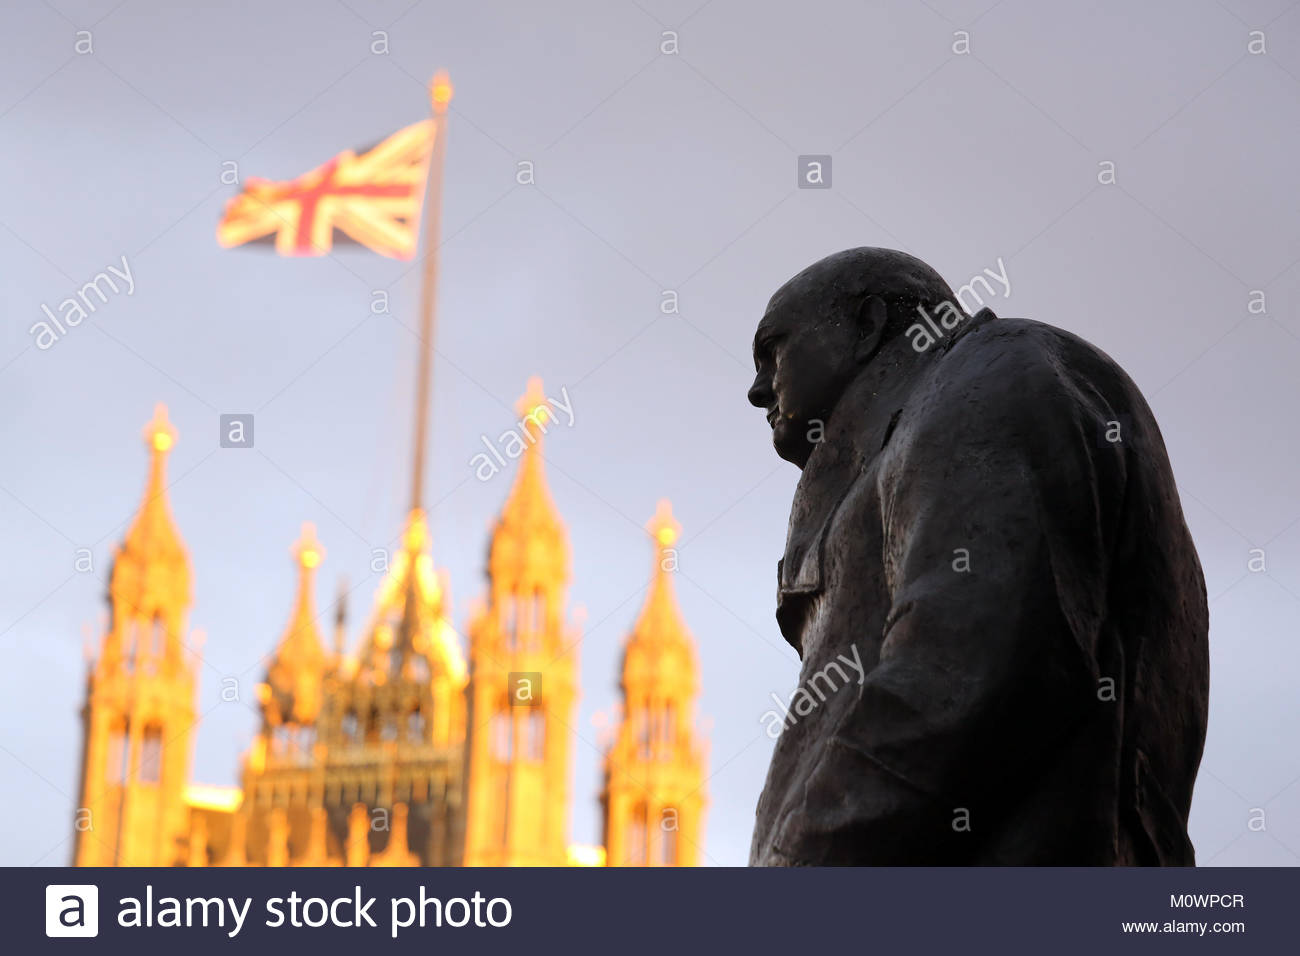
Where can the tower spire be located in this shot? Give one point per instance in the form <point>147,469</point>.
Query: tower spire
<point>151,568</point>
<point>665,530</point>
<point>152,536</point>
<point>529,511</point>
<point>654,772</point>
<point>340,621</point>
<point>308,554</point>
<point>294,677</point>
<point>524,674</point>
<point>159,436</point>
<point>139,710</point>
<point>660,627</point>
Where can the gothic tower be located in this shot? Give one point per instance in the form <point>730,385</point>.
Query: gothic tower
<point>138,715</point>
<point>292,698</point>
<point>653,798</point>
<point>393,723</point>
<point>523,674</point>
<point>284,779</point>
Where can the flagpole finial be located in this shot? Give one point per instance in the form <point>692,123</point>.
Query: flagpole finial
<point>440,91</point>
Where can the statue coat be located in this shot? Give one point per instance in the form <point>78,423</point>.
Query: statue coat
<point>1006,552</point>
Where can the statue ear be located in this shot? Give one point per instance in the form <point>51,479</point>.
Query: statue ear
<point>873,315</point>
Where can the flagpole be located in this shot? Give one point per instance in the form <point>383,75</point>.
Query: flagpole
<point>440,96</point>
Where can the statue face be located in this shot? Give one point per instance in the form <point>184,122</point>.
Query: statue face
<point>803,361</point>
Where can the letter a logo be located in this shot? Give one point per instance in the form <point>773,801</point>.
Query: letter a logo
<point>71,910</point>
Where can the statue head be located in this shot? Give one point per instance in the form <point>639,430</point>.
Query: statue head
<point>823,327</point>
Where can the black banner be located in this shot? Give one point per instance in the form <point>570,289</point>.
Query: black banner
<point>1236,910</point>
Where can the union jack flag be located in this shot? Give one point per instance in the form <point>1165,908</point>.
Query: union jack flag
<point>373,198</point>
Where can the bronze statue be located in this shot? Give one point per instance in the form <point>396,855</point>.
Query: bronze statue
<point>988,526</point>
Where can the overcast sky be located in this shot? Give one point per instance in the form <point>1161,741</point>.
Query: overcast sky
<point>654,171</point>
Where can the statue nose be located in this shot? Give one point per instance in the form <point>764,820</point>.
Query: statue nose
<point>760,393</point>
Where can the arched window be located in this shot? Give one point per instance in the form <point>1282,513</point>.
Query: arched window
<point>539,618</point>
<point>637,836</point>
<point>415,725</point>
<point>129,645</point>
<point>157,645</point>
<point>667,730</point>
<point>643,731</point>
<point>151,754</point>
<point>535,734</point>
<point>502,736</point>
<point>510,624</point>
<point>115,767</point>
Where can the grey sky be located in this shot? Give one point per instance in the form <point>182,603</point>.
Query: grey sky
<point>653,171</point>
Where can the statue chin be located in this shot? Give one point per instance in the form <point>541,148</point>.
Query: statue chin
<point>790,444</point>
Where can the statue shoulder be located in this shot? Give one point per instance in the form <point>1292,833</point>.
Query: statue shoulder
<point>1006,382</point>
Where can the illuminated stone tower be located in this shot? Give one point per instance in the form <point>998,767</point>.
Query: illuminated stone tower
<point>291,697</point>
<point>523,675</point>
<point>284,776</point>
<point>393,723</point>
<point>138,715</point>
<point>653,798</point>
<point>372,759</point>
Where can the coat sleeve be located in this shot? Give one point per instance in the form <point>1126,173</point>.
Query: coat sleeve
<point>996,518</point>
